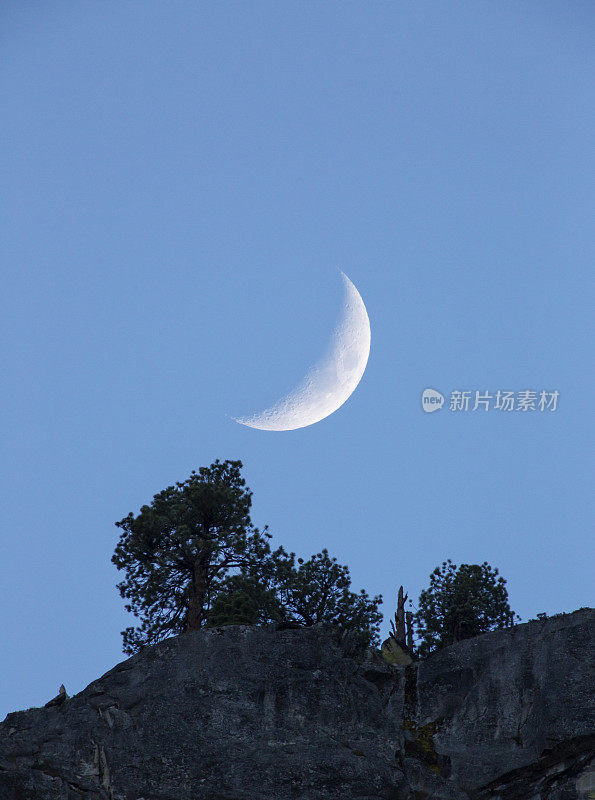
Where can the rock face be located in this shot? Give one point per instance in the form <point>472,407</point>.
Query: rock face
<point>245,713</point>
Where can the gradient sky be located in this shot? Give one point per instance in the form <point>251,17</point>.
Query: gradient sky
<point>181,182</point>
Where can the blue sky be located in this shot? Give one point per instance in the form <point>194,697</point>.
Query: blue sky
<point>181,183</point>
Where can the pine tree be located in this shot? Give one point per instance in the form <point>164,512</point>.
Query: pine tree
<point>461,602</point>
<point>177,552</point>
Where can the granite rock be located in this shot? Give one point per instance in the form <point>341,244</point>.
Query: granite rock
<point>256,713</point>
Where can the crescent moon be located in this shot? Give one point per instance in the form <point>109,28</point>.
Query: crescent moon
<point>332,380</point>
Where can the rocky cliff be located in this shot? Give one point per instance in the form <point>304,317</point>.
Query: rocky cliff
<point>245,713</point>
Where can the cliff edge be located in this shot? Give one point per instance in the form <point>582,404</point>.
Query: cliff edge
<point>249,713</point>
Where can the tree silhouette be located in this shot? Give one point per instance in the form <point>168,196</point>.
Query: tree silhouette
<point>193,558</point>
<point>461,602</point>
<point>177,551</point>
